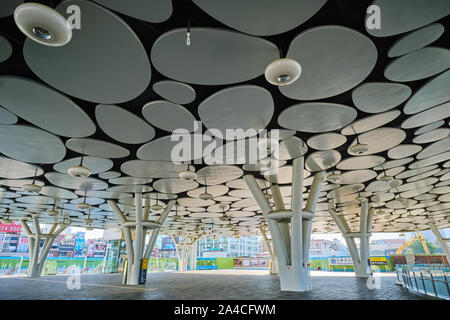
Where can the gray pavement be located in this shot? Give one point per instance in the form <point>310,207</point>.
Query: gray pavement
<point>200,285</point>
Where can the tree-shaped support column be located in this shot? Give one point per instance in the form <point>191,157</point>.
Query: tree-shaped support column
<point>38,255</point>
<point>290,229</point>
<point>141,225</point>
<point>185,251</point>
<point>360,260</point>
<point>442,241</point>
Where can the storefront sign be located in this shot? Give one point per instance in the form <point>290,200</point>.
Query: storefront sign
<point>340,261</point>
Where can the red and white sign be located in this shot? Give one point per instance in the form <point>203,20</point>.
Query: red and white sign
<point>10,228</point>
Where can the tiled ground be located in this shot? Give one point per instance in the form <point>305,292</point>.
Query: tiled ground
<point>202,285</point>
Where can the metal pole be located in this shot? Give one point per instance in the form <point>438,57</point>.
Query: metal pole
<point>137,241</point>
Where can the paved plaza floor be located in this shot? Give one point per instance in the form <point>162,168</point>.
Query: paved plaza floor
<point>201,285</point>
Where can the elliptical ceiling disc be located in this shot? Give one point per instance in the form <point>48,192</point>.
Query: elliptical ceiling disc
<point>310,116</point>
<point>168,116</point>
<point>116,122</point>
<point>44,107</point>
<point>5,49</point>
<point>174,185</point>
<point>403,151</point>
<point>362,162</point>
<point>375,97</point>
<point>8,6</point>
<point>405,15</point>
<point>435,148</point>
<point>334,59</point>
<point>431,160</point>
<point>207,59</point>
<point>161,149</point>
<point>428,116</point>
<point>216,191</point>
<point>130,180</point>
<point>356,176</point>
<point>370,122</point>
<point>218,174</point>
<point>13,169</point>
<point>322,160</point>
<point>427,62</point>
<point>56,192</point>
<point>95,165</point>
<point>154,11</point>
<point>69,182</point>
<point>416,40</point>
<point>261,18</point>
<point>97,148</point>
<point>30,144</point>
<point>109,175</point>
<point>176,92</point>
<point>433,135</point>
<point>379,139</point>
<point>245,107</point>
<point>152,169</point>
<point>326,141</point>
<point>7,117</point>
<point>93,66</point>
<point>432,93</point>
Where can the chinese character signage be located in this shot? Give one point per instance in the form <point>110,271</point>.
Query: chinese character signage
<point>10,228</point>
<point>340,261</point>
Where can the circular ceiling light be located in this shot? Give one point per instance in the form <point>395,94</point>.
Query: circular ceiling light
<point>88,221</point>
<point>83,205</point>
<point>334,176</point>
<point>267,145</point>
<point>79,172</point>
<point>205,196</point>
<point>187,175</point>
<point>43,24</point>
<point>283,71</point>
<point>52,213</point>
<point>31,187</point>
<point>90,228</point>
<point>359,148</point>
<point>6,221</point>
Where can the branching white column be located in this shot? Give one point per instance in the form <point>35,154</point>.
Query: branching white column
<point>37,256</point>
<point>136,253</point>
<point>442,241</point>
<point>360,260</point>
<point>274,264</point>
<point>184,251</point>
<point>290,245</point>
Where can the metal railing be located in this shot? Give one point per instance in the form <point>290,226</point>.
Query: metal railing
<point>428,280</point>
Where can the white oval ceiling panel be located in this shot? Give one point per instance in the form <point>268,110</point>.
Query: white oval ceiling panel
<point>97,148</point>
<point>123,125</point>
<point>95,165</point>
<point>168,116</point>
<point>431,160</point>
<point>416,40</point>
<point>176,150</point>
<point>109,175</point>
<point>44,107</point>
<point>7,117</point>
<point>174,185</point>
<point>218,174</point>
<point>152,169</point>
<point>334,59</point>
<point>69,182</point>
<point>428,116</point>
<point>216,191</point>
<point>356,176</point>
<point>246,107</point>
<point>130,180</point>
<point>309,117</point>
<point>8,6</point>
<point>326,141</point>
<point>155,11</point>
<point>322,160</point>
<point>362,162</point>
<point>405,15</point>
<point>176,92</point>
<point>370,122</point>
<point>207,59</point>
<point>290,148</point>
<point>403,151</point>
<point>432,135</point>
<point>435,148</point>
<point>375,97</point>
<point>5,49</point>
<point>30,144</point>
<point>56,192</point>
<point>432,93</point>
<point>379,140</point>
<point>426,61</point>
<point>261,18</point>
<point>92,66</point>
<point>13,169</point>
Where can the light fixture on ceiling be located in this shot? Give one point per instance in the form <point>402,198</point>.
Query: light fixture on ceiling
<point>187,175</point>
<point>176,216</point>
<point>267,145</point>
<point>88,220</point>
<point>7,220</point>
<point>205,195</point>
<point>358,148</point>
<point>283,71</point>
<point>360,198</point>
<point>32,187</point>
<point>79,171</point>
<point>385,178</point>
<point>52,212</point>
<point>224,216</point>
<point>84,204</point>
<point>43,24</point>
<point>156,206</point>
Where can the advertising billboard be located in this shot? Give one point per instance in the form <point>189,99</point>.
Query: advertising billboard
<point>79,245</point>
